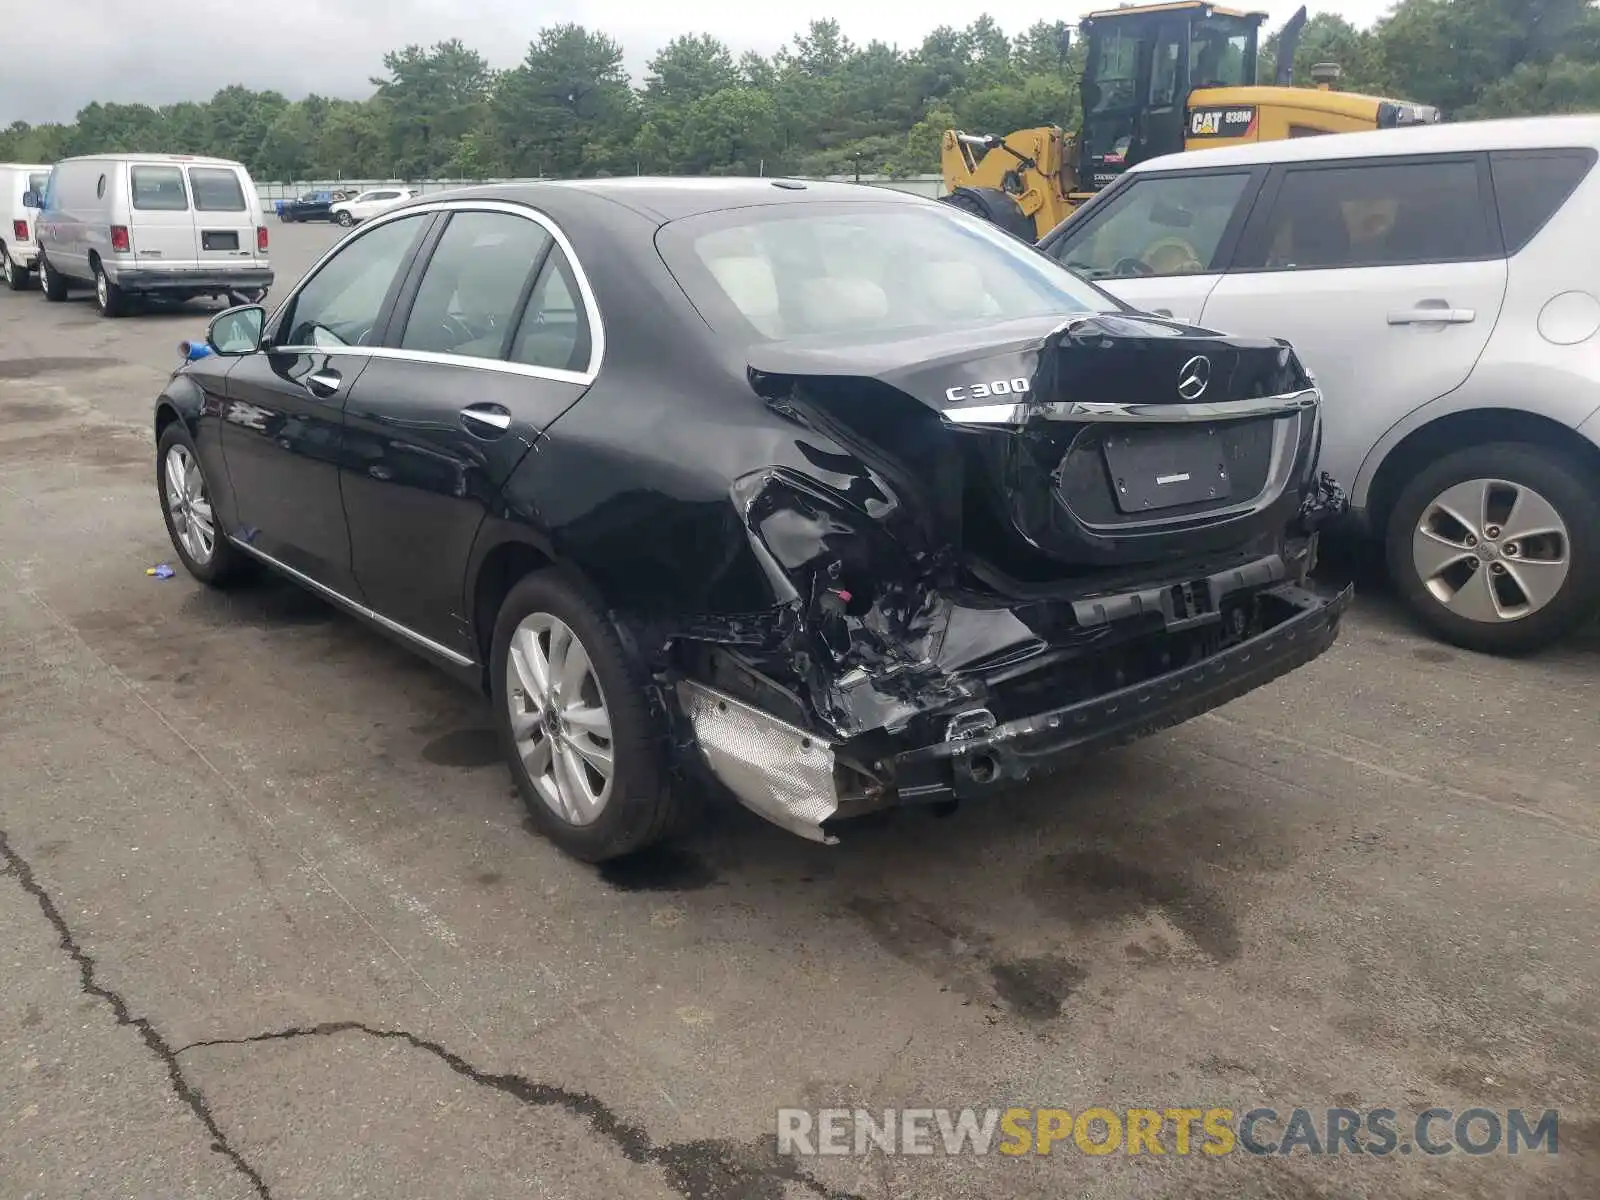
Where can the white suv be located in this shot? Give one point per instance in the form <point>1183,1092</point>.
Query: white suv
<point>369,204</point>
<point>1443,283</point>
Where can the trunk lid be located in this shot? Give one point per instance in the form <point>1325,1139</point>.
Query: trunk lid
<point>1045,446</point>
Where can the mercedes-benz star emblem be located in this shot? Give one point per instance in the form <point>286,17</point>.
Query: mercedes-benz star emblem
<point>1194,377</point>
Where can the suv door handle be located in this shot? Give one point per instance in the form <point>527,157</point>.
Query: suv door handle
<point>1433,312</point>
<point>486,420</point>
<point>323,383</point>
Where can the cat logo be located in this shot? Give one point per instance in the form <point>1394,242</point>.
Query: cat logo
<point>1222,122</point>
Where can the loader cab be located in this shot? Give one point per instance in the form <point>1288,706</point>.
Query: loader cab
<point>1142,63</point>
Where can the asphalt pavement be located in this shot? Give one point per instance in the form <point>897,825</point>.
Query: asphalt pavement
<point>272,925</point>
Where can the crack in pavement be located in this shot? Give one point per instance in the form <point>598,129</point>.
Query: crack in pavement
<point>154,1042</point>
<point>708,1169</point>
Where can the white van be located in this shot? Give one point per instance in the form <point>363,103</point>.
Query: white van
<point>19,253</point>
<point>169,225</point>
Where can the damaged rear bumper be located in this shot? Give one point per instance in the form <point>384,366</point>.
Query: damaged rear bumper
<point>795,778</point>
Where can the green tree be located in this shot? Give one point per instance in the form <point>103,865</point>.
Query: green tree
<point>568,92</point>
<point>433,99</point>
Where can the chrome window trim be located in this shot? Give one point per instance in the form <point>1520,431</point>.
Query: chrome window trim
<point>360,610</point>
<point>1119,412</point>
<point>591,307</point>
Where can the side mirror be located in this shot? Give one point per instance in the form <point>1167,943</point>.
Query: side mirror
<point>32,200</point>
<point>237,330</point>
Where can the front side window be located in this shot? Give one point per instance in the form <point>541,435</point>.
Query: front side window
<point>1114,71</point>
<point>1170,226</point>
<point>473,285</point>
<point>1376,214</point>
<point>1222,53</point>
<point>216,189</point>
<point>159,189</point>
<point>864,269</point>
<point>340,304</point>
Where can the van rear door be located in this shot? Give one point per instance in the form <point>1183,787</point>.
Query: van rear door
<point>225,218</point>
<point>161,224</point>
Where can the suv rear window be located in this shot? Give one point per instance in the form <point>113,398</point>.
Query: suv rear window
<point>216,189</point>
<point>1530,186</point>
<point>159,189</point>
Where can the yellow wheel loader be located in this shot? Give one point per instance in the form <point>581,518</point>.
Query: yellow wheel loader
<point>1158,78</point>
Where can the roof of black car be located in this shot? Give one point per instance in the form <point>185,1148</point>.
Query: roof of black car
<point>671,198</point>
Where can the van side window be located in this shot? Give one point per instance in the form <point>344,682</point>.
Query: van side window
<point>1162,226</point>
<point>1374,214</point>
<point>216,189</point>
<point>1530,186</point>
<point>100,189</point>
<point>159,189</point>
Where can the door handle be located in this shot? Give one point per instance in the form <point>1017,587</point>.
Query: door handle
<point>486,420</point>
<point>1433,312</point>
<point>323,383</point>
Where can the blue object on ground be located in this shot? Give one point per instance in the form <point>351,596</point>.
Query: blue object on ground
<point>162,571</point>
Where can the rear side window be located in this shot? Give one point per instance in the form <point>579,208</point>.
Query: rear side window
<point>1530,186</point>
<point>159,189</point>
<point>1375,214</point>
<point>555,329</point>
<point>474,284</point>
<point>1170,226</point>
<point>216,189</point>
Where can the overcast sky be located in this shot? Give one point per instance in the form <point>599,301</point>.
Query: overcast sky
<point>61,54</point>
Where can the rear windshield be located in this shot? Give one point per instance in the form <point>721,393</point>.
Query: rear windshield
<point>37,180</point>
<point>216,189</point>
<point>159,189</point>
<point>793,270</point>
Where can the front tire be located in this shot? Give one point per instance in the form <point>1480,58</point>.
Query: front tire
<point>345,219</point>
<point>51,282</point>
<point>1496,548</point>
<point>585,751</point>
<point>186,503</point>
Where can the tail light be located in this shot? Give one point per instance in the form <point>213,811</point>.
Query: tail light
<point>19,230</point>
<point>261,239</point>
<point>119,239</point>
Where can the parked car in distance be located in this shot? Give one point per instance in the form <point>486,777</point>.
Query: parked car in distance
<point>309,206</point>
<point>173,226</point>
<point>19,253</point>
<point>839,497</point>
<point>1440,282</point>
<point>355,209</point>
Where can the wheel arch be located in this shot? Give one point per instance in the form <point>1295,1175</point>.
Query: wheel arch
<point>1457,431</point>
<point>503,555</point>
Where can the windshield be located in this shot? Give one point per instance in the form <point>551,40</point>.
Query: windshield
<point>864,269</point>
<point>1114,70</point>
<point>1222,53</point>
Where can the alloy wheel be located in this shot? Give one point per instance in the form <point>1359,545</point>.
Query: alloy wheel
<point>190,506</point>
<point>1491,550</point>
<point>559,718</point>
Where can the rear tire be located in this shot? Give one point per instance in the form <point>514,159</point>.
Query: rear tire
<point>1476,607</point>
<point>51,282</point>
<point>108,297</point>
<point>17,279</point>
<point>345,219</point>
<point>638,806</point>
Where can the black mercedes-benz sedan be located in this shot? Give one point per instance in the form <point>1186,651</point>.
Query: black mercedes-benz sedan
<point>833,496</point>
